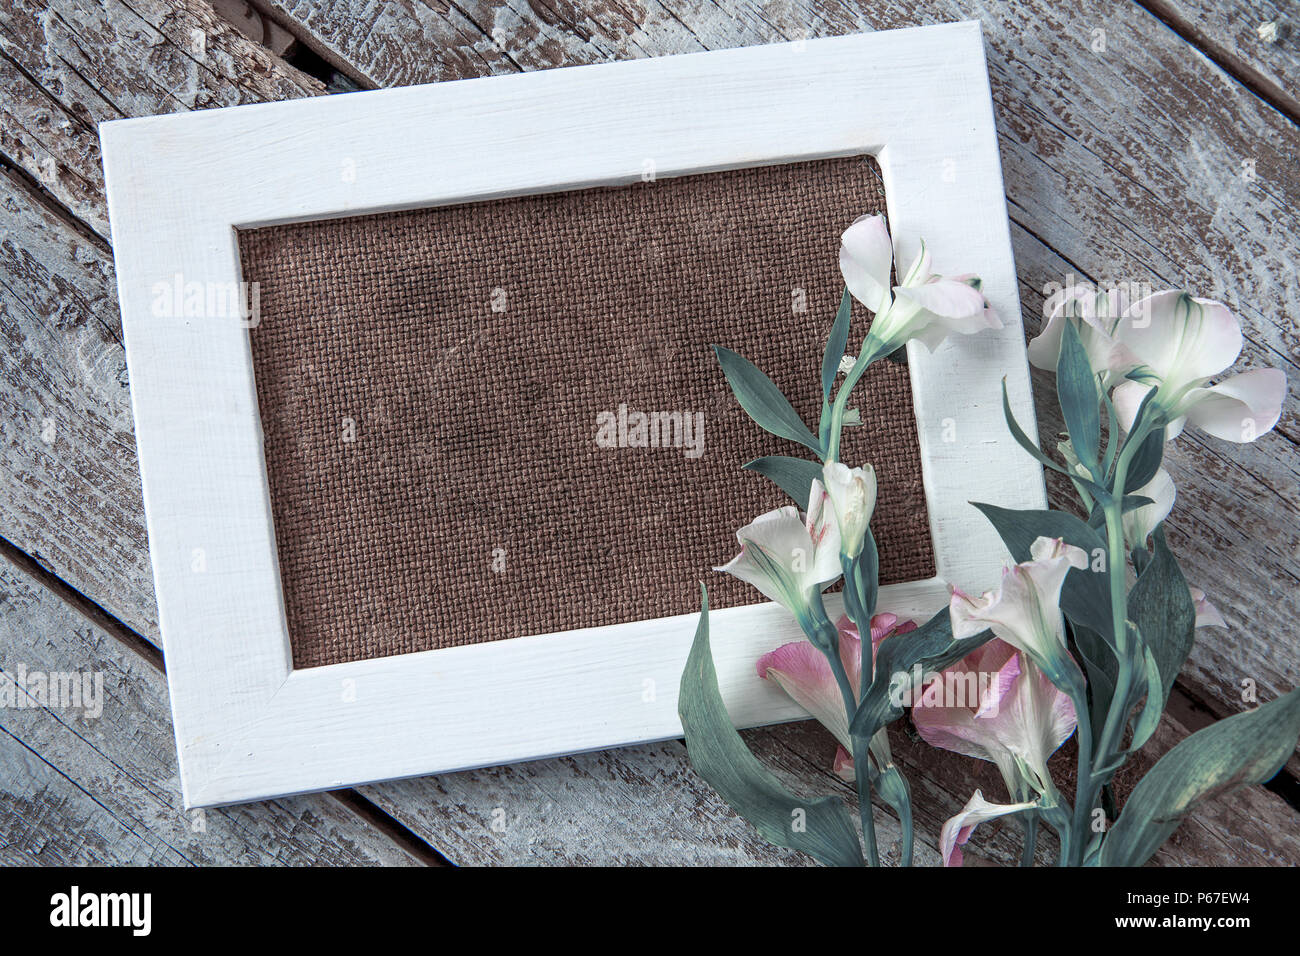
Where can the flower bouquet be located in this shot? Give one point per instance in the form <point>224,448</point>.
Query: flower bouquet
<point>1084,635</point>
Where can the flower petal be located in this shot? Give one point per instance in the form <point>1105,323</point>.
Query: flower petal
<point>823,565</point>
<point>866,261</point>
<point>1240,408</point>
<point>958,830</point>
<point>1024,611</point>
<point>919,271</point>
<point>1179,337</point>
<point>784,539</point>
<point>803,672</point>
<point>843,766</point>
<point>852,492</point>
<point>1097,314</point>
<point>959,306</point>
<point>1128,398</point>
<point>1141,522</point>
<point>1207,615</point>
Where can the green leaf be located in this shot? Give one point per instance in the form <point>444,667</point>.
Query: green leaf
<point>762,400</point>
<point>931,645</point>
<point>1025,442</point>
<point>861,590</point>
<point>821,828</point>
<point>1076,388</point>
<point>1241,750</point>
<point>794,476</point>
<point>1085,596</point>
<point>835,343</point>
<point>1161,606</point>
<point>1102,668</point>
<point>1146,460</point>
<point>1150,718</point>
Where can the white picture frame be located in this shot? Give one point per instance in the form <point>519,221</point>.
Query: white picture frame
<point>248,725</point>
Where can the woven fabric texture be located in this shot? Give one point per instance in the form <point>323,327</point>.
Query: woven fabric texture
<point>432,383</point>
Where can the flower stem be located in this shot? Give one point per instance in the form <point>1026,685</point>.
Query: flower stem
<point>904,809</point>
<point>1030,821</point>
<point>862,775</point>
<point>861,764</point>
<point>1090,781</point>
<point>868,356</point>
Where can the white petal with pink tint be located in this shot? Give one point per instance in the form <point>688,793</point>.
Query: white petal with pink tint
<point>1098,314</point>
<point>1141,521</point>
<point>958,830</point>
<point>1128,398</point>
<point>1207,615</point>
<point>795,557</point>
<point>1024,611</point>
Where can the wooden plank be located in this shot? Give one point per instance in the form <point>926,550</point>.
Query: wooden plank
<point>1258,41</point>
<point>1205,200</point>
<point>98,785</point>
<point>448,810</point>
<point>66,65</point>
<point>71,494</point>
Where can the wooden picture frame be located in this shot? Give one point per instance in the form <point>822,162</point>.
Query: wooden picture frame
<point>248,725</point>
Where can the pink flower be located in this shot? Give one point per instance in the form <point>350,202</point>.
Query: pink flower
<point>996,705</point>
<point>803,672</point>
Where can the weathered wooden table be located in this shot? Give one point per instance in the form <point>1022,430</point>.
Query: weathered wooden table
<point>1149,141</point>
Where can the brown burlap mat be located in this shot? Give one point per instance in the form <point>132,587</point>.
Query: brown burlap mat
<point>430,384</point>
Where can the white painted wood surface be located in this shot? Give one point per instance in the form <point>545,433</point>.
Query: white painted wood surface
<point>247,725</point>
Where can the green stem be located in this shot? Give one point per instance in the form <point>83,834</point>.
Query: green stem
<point>904,809</point>
<point>868,356</point>
<point>1090,782</point>
<point>862,776</point>
<point>861,764</point>
<point>1030,821</point>
<point>1083,785</point>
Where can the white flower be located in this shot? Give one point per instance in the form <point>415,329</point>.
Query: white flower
<point>1178,342</point>
<point>957,831</point>
<point>852,493</point>
<point>923,306</point>
<point>1024,611</point>
<point>1141,522</point>
<point>1098,313</point>
<point>789,559</point>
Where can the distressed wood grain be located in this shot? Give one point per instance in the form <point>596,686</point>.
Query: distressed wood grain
<point>75,502</point>
<point>1259,41</point>
<point>98,785</point>
<point>66,65</point>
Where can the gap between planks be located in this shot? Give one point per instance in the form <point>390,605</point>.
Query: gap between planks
<point>794,745</point>
<point>356,803</point>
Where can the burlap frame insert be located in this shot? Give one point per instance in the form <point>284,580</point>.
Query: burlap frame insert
<point>430,386</point>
